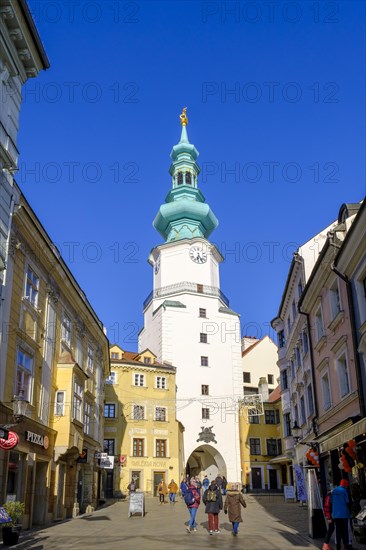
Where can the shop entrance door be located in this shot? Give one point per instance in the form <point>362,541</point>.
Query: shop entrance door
<point>273,479</point>
<point>40,500</point>
<point>157,478</point>
<point>256,478</point>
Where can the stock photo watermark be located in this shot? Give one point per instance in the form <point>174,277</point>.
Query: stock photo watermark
<point>73,171</point>
<point>74,11</point>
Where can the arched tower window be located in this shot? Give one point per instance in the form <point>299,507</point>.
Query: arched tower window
<point>188,178</point>
<point>180,178</point>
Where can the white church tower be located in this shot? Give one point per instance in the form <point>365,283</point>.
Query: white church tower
<point>188,322</point>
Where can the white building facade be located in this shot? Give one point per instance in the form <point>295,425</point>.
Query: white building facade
<point>188,322</point>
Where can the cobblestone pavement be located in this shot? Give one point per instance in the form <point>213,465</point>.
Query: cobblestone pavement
<point>269,524</point>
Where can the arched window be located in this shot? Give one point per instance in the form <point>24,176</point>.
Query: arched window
<point>180,178</point>
<point>188,178</point>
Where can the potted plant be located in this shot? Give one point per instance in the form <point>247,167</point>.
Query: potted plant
<point>11,530</point>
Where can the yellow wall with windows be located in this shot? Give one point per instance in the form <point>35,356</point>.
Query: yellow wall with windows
<point>146,412</point>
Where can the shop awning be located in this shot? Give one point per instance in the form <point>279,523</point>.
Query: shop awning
<point>342,437</point>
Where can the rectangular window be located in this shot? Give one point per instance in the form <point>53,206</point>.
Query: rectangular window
<point>203,338</point>
<point>269,417</point>
<point>161,382</point>
<point>310,400</point>
<point>277,416</point>
<point>60,403</point>
<point>284,380</point>
<point>294,310</point>
<point>160,448</point>
<point>246,377</point>
<point>32,287</point>
<point>138,447</point>
<point>281,339</point>
<point>79,352</point>
<point>109,410</point>
<point>272,447</point>
<point>254,419</point>
<point>139,380</point>
<point>160,414</point>
<point>77,402</point>
<point>88,413</point>
<point>66,330</point>
<point>202,312</point>
<point>112,378</point>
<point>138,412</point>
<point>108,446</point>
<point>255,445</point>
<point>90,359</point>
<point>287,424</point>
<point>326,391</point>
<point>204,389</point>
<point>334,298</point>
<point>270,378</point>
<point>305,342</point>
<point>24,377</point>
<point>319,325</point>
<point>204,361</point>
<point>200,289</point>
<point>114,355</point>
<point>205,413</point>
<point>302,409</point>
<point>147,360</point>
<point>279,446</point>
<point>343,374</point>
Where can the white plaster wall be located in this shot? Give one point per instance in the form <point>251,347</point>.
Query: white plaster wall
<point>180,334</point>
<point>260,361</point>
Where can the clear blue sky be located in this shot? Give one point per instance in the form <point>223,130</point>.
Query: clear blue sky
<point>275,92</point>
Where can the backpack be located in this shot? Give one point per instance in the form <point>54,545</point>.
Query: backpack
<point>189,498</point>
<point>211,496</point>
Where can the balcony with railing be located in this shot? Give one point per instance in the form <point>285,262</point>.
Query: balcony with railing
<point>191,288</point>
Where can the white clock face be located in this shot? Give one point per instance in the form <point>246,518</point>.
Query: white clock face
<point>157,265</point>
<point>198,254</point>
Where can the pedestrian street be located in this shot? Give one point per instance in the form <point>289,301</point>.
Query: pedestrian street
<point>164,526</point>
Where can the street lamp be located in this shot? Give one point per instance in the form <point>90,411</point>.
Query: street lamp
<point>296,432</point>
<point>20,405</point>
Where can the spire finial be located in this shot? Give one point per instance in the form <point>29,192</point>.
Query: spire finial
<point>183,117</point>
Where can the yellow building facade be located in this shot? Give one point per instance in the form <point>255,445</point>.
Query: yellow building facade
<point>56,360</point>
<point>141,436</point>
<point>261,441</point>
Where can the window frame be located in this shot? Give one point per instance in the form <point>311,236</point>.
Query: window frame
<point>203,338</point>
<point>205,391</point>
<point>109,407</point>
<point>31,290</point>
<point>156,415</point>
<point>26,374</point>
<point>161,380</point>
<point>346,374</point>
<point>161,448</point>
<point>77,400</point>
<point>111,445</point>
<point>254,445</point>
<point>326,406</point>
<point>248,376</point>
<point>204,315</point>
<point>204,361</point>
<point>138,412</point>
<point>58,403</point>
<point>140,377</point>
<point>138,447</point>
<point>205,414</point>
<point>66,329</point>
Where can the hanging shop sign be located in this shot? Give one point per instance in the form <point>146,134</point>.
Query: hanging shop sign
<point>123,460</point>
<point>37,439</point>
<point>83,457</point>
<point>9,443</point>
<point>107,463</point>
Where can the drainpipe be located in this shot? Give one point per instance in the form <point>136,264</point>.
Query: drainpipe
<point>361,397</point>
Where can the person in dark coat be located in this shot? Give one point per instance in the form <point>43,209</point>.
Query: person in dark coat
<point>233,502</point>
<point>213,500</point>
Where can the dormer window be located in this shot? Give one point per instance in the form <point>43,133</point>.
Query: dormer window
<point>188,178</point>
<point>180,178</point>
<point>147,360</point>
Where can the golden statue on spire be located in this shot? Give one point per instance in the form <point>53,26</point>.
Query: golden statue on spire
<point>183,117</point>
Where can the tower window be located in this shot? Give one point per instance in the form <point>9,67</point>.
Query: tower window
<point>188,178</point>
<point>204,389</point>
<point>203,338</point>
<point>205,413</point>
<point>204,361</point>
<point>202,312</point>
<point>180,178</point>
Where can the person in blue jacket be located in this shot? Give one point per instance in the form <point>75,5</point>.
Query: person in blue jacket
<point>341,514</point>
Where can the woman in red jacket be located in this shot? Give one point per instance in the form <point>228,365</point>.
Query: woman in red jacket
<point>328,514</point>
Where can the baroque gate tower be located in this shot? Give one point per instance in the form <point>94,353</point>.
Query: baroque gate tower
<point>188,322</point>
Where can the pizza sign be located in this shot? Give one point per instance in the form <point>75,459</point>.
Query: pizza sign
<point>9,443</point>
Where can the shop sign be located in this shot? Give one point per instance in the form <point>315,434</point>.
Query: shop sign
<point>107,463</point>
<point>123,460</point>
<point>9,443</point>
<point>100,455</point>
<point>37,439</point>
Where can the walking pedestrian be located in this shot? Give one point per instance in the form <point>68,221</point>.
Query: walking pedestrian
<point>212,498</point>
<point>162,491</point>
<point>328,515</point>
<point>233,502</point>
<point>198,484</point>
<point>218,481</point>
<point>192,499</point>
<point>205,483</point>
<point>341,514</point>
<point>183,487</point>
<point>224,485</point>
<point>173,488</point>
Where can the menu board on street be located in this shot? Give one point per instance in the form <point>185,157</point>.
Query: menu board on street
<point>137,504</point>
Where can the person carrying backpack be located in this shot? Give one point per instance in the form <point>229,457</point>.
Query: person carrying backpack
<point>213,501</point>
<point>192,499</point>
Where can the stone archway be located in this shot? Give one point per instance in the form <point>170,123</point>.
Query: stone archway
<point>206,460</point>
